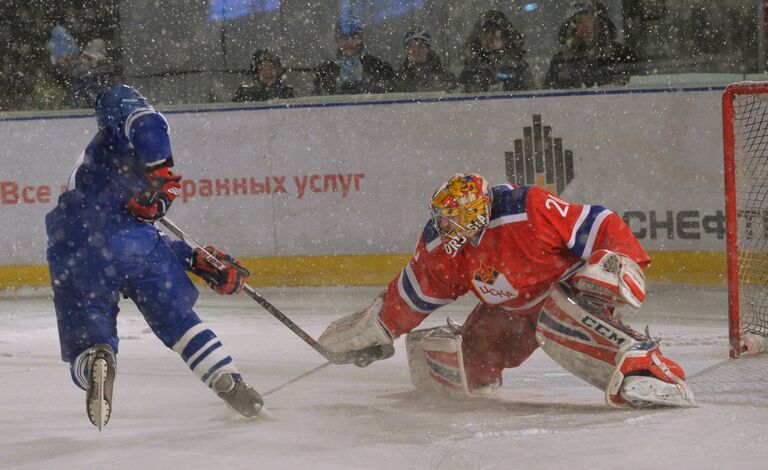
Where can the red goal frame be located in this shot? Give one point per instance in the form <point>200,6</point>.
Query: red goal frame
<point>730,93</point>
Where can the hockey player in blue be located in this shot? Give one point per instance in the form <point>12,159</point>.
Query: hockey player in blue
<point>102,243</point>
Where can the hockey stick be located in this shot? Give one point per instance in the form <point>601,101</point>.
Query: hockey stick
<point>360,358</point>
<point>297,378</point>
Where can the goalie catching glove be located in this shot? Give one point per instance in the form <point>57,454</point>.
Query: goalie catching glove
<point>611,279</point>
<point>153,204</point>
<point>223,273</point>
<point>358,331</point>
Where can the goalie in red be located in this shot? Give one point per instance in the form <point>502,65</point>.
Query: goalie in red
<point>548,273</point>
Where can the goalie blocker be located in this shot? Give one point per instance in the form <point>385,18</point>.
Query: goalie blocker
<point>625,364</point>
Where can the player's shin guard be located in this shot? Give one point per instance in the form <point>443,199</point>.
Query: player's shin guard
<point>436,363</point>
<point>201,349</point>
<point>94,371</point>
<point>627,365</point>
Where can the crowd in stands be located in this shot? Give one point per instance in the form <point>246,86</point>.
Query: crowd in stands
<point>268,79</point>
<point>589,54</point>
<point>493,60</point>
<point>79,73</point>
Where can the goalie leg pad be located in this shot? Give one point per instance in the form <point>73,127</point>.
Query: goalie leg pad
<point>601,350</point>
<point>417,360</point>
<point>436,363</point>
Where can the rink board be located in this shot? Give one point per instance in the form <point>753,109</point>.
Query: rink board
<point>378,270</point>
<point>336,192</point>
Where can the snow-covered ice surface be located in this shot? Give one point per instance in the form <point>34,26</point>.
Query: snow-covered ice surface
<point>371,418</point>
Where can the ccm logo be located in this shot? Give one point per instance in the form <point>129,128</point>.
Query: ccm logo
<point>603,330</point>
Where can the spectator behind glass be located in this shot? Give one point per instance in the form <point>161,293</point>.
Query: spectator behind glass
<point>85,73</point>
<point>494,54</point>
<point>267,71</point>
<point>421,70</point>
<point>590,55</point>
<point>352,71</point>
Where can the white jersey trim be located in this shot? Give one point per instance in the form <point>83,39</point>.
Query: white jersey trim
<point>156,163</point>
<point>72,182</point>
<point>137,114</point>
<point>434,244</point>
<point>417,290</point>
<point>404,295</point>
<point>509,219</point>
<point>593,233</point>
<point>577,225</point>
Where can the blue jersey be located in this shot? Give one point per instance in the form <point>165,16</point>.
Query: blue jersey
<point>98,251</point>
<point>112,170</point>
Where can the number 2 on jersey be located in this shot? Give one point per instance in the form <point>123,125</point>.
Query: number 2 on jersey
<point>560,205</point>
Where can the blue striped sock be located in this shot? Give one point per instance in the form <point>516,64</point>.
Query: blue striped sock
<point>201,349</point>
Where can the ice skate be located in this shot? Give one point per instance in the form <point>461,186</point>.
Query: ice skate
<point>643,392</point>
<point>238,395</point>
<point>101,377</point>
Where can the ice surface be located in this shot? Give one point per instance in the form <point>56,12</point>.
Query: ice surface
<point>346,417</point>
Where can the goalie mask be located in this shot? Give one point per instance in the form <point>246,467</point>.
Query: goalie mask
<point>460,209</point>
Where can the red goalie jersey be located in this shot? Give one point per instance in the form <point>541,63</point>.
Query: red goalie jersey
<point>534,239</point>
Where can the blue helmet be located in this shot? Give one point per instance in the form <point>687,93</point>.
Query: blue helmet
<point>349,25</point>
<point>116,103</point>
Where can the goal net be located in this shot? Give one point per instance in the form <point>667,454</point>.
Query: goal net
<point>745,133</point>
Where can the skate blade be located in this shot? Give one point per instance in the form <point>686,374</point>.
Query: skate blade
<point>249,413</point>
<point>98,407</point>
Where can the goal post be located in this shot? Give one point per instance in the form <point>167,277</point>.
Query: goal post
<point>745,144</point>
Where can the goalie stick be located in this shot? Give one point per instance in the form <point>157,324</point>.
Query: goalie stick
<point>360,358</point>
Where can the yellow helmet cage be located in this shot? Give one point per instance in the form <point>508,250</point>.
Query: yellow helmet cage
<point>461,207</point>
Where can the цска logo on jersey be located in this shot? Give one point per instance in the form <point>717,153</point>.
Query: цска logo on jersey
<point>492,286</point>
<point>539,159</point>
